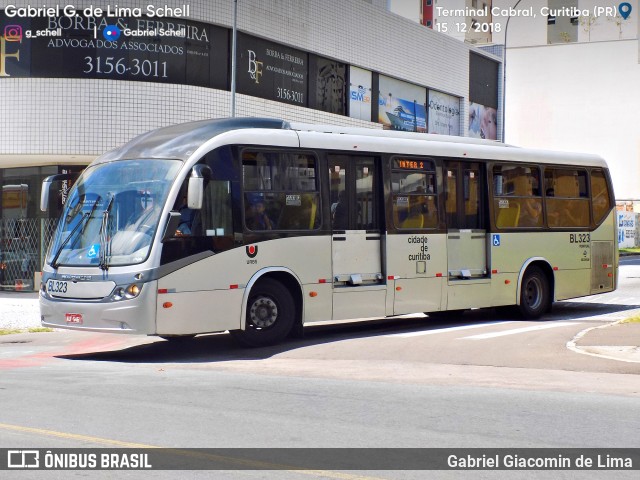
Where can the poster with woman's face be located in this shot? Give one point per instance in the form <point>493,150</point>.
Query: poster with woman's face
<point>483,122</point>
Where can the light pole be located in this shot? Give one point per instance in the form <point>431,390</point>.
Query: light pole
<point>504,70</point>
<point>234,41</point>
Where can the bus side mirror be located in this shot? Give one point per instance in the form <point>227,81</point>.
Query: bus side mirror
<point>44,194</point>
<point>46,187</point>
<point>195,193</point>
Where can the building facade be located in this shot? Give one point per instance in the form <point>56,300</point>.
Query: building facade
<point>70,97</point>
<point>572,82</point>
<point>572,73</point>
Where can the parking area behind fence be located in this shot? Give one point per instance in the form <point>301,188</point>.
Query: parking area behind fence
<point>23,247</point>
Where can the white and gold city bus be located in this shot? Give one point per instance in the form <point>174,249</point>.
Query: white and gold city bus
<point>259,226</point>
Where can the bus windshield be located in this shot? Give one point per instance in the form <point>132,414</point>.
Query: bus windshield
<point>112,214</point>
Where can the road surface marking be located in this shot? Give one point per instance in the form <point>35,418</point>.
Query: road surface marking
<point>515,331</point>
<point>434,331</point>
<point>74,436</point>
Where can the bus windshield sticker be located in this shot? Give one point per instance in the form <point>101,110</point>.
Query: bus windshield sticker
<point>294,200</point>
<point>503,203</point>
<point>402,200</point>
<point>93,251</point>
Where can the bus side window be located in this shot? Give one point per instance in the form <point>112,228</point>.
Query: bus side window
<point>599,195</point>
<point>517,202</point>
<point>280,191</point>
<point>414,195</point>
<point>569,205</point>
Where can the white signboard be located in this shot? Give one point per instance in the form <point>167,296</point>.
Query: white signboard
<point>444,113</point>
<point>360,93</point>
<point>626,229</point>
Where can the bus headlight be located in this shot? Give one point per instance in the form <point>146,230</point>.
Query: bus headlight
<point>126,293</point>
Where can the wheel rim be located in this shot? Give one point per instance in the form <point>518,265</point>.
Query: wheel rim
<point>533,293</point>
<point>263,312</point>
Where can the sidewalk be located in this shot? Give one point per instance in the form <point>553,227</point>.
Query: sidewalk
<point>612,341</point>
<point>19,310</point>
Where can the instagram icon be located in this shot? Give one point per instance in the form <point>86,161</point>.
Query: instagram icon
<point>13,33</point>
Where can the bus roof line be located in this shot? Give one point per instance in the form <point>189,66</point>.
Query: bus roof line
<point>181,141</point>
<point>379,132</point>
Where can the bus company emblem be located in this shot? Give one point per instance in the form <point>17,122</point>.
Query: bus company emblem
<point>252,251</point>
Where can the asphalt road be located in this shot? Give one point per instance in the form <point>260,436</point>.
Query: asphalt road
<point>478,380</point>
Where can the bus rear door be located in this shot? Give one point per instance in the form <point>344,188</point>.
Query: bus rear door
<point>356,206</point>
<point>465,195</point>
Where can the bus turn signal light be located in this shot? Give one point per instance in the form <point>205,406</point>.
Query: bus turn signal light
<point>167,305</point>
<point>313,294</point>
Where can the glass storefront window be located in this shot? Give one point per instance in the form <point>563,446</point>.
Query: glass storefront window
<point>24,229</point>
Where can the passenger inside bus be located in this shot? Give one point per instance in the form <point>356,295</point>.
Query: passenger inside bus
<point>566,206</point>
<point>530,214</point>
<point>257,218</point>
<point>341,212</point>
<point>186,219</point>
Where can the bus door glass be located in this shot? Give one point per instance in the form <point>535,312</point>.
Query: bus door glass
<point>356,202</point>
<point>466,229</point>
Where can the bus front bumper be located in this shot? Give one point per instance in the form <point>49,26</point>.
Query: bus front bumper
<point>133,316</point>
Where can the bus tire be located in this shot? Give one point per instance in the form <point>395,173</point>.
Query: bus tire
<point>270,315</point>
<point>535,295</point>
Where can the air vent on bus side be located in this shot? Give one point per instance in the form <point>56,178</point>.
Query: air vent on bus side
<point>602,265</point>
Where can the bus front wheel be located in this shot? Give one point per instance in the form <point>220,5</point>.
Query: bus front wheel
<point>270,315</point>
<point>535,295</point>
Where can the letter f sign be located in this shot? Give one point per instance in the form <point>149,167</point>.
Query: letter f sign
<point>10,35</point>
<point>255,68</point>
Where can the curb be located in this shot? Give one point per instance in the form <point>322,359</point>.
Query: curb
<point>625,353</point>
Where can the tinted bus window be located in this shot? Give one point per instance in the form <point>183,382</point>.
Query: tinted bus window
<point>280,191</point>
<point>566,197</point>
<point>517,202</point>
<point>413,187</point>
<point>600,195</point>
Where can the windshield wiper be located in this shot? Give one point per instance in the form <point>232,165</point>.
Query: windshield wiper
<point>80,226</point>
<point>105,243</point>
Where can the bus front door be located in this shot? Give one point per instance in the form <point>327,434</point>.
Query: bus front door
<point>359,289</point>
<point>465,193</point>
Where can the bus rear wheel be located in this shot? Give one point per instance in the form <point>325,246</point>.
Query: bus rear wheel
<point>535,295</point>
<point>270,315</point>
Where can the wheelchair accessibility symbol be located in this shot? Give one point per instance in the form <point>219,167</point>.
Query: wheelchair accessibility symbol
<point>495,239</point>
<point>93,251</point>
